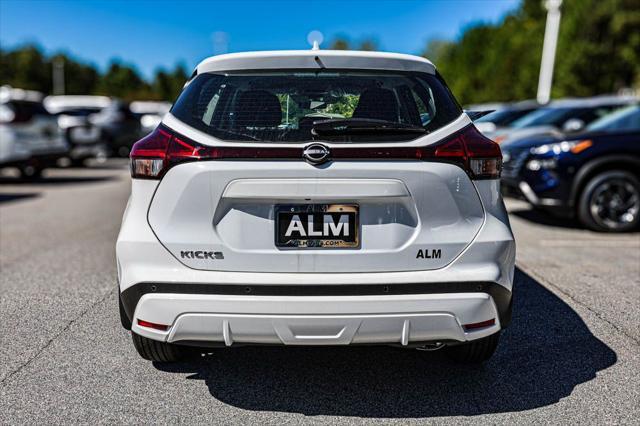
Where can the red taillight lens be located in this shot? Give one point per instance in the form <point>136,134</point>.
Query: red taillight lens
<point>149,153</point>
<point>480,156</point>
<point>153,155</point>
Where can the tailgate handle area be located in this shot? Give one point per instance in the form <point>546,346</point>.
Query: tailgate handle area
<point>335,189</point>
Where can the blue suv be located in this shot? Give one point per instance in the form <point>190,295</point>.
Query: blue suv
<point>593,175</point>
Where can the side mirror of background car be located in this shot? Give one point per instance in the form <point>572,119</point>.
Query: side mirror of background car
<point>573,125</point>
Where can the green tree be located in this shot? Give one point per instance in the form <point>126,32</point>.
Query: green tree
<point>598,52</point>
<point>344,106</point>
<point>122,81</point>
<point>179,77</point>
<point>368,44</point>
<point>494,62</point>
<point>168,85</point>
<point>342,42</point>
<point>161,85</point>
<point>598,47</point>
<point>79,78</point>
<point>26,68</point>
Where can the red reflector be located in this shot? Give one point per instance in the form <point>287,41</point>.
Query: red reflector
<point>476,325</point>
<point>155,326</point>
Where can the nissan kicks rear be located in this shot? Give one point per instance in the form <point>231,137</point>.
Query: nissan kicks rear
<point>315,198</point>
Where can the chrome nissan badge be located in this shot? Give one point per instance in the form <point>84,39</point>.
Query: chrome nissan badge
<point>316,153</point>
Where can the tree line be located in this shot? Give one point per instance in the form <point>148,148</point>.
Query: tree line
<point>598,52</point>
<point>27,67</point>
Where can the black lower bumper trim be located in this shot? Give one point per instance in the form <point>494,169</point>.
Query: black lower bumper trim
<point>501,296</point>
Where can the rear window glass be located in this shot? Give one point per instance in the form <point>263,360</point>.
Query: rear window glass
<point>295,106</point>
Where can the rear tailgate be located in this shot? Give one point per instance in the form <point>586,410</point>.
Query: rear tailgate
<point>221,215</point>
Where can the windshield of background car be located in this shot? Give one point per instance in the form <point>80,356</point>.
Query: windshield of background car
<point>505,116</point>
<point>557,116</point>
<point>26,110</point>
<point>284,106</point>
<point>545,116</point>
<point>626,119</point>
<point>80,112</point>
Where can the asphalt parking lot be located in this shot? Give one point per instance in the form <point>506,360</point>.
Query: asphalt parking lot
<point>572,353</point>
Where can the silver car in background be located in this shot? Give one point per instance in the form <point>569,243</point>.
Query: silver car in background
<point>74,112</point>
<point>30,139</point>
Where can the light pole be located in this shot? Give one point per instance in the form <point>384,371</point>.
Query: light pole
<point>58,76</point>
<point>549,50</point>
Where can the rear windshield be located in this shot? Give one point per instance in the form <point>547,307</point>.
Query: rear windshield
<point>295,106</point>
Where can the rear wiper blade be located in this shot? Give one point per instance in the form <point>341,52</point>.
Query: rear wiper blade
<point>342,126</point>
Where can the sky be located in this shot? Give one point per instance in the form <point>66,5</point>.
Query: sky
<point>152,34</point>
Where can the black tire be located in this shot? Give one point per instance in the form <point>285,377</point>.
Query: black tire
<point>153,350</point>
<point>474,352</point>
<point>123,151</point>
<point>602,202</point>
<point>124,319</point>
<point>30,171</point>
<point>78,162</point>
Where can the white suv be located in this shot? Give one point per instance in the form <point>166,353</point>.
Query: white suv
<point>315,198</point>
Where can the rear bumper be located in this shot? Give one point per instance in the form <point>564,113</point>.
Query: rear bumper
<point>404,319</point>
<point>402,307</point>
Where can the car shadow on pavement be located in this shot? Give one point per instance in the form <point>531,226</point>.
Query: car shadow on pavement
<point>543,218</point>
<point>6,198</point>
<point>54,180</point>
<point>546,352</point>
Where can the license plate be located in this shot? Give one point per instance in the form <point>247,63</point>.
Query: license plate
<point>317,226</point>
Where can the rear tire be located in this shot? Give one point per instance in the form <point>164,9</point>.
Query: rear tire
<point>474,352</point>
<point>30,171</point>
<point>124,151</point>
<point>78,162</point>
<point>610,202</point>
<point>153,350</point>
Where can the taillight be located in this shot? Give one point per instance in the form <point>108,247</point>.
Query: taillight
<point>478,155</point>
<point>153,155</point>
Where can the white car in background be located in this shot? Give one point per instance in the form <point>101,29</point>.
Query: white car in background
<point>74,112</point>
<point>30,138</point>
<point>150,113</point>
<point>300,198</point>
